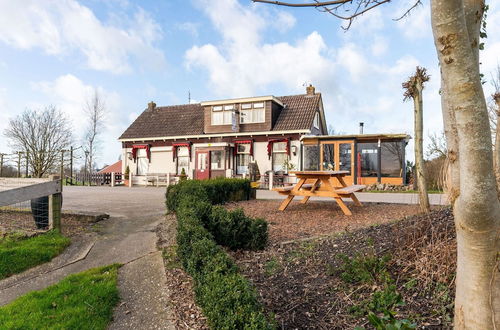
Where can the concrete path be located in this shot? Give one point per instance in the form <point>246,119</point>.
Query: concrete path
<point>127,237</point>
<point>397,198</point>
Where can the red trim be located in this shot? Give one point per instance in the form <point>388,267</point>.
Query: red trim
<point>270,146</point>
<point>183,144</point>
<point>135,147</point>
<point>243,142</point>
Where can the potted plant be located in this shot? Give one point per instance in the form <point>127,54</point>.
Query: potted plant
<point>183,175</point>
<point>126,176</point>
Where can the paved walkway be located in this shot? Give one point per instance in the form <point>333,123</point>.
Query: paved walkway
<point>127,237</point>
<point>397,198</point>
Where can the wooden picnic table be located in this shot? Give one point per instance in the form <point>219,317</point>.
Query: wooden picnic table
<point>321,184</point>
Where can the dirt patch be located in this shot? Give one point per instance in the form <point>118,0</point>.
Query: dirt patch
<point>187,315</point>
<point>317,218</point>
<point>318,284</point>
<point>22,221</point>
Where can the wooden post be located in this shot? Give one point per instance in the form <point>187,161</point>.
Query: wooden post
<point>1,165</point>
<point>379,162</point>
<point>112,179</point>
<point>130,181</point>
<point>271,180</point>
<point>62,166</point>
<point>168,179</point>
<point>55,206</point>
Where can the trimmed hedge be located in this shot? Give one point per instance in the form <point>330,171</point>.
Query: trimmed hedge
<point>227,299</point>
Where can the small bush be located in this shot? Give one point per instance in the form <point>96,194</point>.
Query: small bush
<point>364,269</point>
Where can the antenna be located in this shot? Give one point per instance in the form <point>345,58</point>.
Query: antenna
<point>189,96</point>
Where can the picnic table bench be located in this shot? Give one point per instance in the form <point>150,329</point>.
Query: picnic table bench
<point>321,184</point>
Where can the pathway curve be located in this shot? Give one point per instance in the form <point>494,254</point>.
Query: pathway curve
<point>127,237</point>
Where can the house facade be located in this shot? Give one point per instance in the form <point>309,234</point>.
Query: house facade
<point>221,138</point>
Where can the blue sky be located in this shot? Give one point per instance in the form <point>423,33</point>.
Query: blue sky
<point>56,52</point>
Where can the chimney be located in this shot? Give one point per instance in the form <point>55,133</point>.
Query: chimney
<point>151,106</point>
<point>310,89</point>
<point>361,127</point>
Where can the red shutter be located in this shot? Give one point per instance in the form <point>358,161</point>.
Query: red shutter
<point>136,147</point>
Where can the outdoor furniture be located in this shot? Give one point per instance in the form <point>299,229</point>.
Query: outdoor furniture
<point>321,184</point>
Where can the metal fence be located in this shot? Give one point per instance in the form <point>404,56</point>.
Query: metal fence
<point>95,179</point>
<point>30,205</point>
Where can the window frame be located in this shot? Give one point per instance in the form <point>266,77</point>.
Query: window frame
<point>249,110</point>
<point>240,154</point>
<point>222,111</point>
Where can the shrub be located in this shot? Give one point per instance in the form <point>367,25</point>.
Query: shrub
<point>225,296</point>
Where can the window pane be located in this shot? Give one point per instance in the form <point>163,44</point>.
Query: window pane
<point>345,156</point>
<point>279,161</point>
<point>392,159</point>
<point>217,108</point>
<point>242,161</point>
<point>243,148</point>
<point>311,157</point>
<point>368,154</point>
<point>259,115</point>
<point>245,116</point>
<point>182,151</point>
<point>217,160</point>
<point>217,118</point>
<point>182,163</point>
<point>258,105</point>
<point>279,146</point>
<point>328,160</point>
<point>229,107</point>
<point>246,106</point>
<point>228,115</point>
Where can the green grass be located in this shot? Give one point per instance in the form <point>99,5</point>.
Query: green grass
<point>18,253</point>
<point>80,301</point>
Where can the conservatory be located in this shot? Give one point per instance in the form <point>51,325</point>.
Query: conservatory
<point>369,158</point>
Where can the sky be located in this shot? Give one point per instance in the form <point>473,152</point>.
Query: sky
<point>56,52</point>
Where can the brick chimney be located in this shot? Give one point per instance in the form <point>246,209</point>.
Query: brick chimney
<point>151,106</point>
<point>310,89</point>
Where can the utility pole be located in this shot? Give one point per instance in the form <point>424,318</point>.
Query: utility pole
<point>71,165</point>
<point>19,164</point>
<point>26,169</point>
<point>1,164</point>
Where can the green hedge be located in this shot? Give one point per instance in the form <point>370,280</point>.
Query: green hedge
<point>227,299</point>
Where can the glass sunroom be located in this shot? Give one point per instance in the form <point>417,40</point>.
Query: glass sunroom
<point>369,158</point>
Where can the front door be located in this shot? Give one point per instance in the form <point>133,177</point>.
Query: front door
<point>338,156</point>
<point>202,165</point>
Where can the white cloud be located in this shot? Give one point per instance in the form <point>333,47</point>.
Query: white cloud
<point>243,65</point>
<point>284,21</point>
<point>189,27</point>
<point>60,27</point>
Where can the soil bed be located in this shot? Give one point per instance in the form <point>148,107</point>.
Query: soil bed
<point>317,284</point>
<point>21,221</point>
<point>319,218</point>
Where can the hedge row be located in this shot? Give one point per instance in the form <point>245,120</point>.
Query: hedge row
<point>225,296</point>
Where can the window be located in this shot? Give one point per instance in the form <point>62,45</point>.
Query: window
<point>368,155</point>
<point>328,160</point>
<point>311,157</point>
<point>252,113</point>
<point>182,160</point>
<point>242,158</point>
<point>392,159</point>
<point>142,162</point>
<point>217,160</point>
<point>316,121</point>
<point>279,156</point>
<point>222,115</point>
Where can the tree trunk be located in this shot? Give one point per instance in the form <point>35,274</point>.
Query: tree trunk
<point>496,157</point>
<point>477,208</point>
<point>419,149</point>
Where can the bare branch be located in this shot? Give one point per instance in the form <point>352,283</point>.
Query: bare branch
<point>415,83</point>
<point>407,13</point>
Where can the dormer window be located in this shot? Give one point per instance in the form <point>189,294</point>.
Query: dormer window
<point>316,121</point>
<point>222,115</point>
<point>252,113</point>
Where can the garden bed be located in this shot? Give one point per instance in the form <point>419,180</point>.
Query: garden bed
<point>319,218</point>
<point>405,267</point>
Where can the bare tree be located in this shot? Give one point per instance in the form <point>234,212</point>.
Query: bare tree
<point>41,134</point>
<point>414,87</point>
<point>95,115</point>
<point>437,146</point>
<point>472,186</point>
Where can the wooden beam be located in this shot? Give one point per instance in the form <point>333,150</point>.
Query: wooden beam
<point>18,195</point>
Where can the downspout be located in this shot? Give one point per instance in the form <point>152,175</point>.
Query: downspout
<point>379,162</point>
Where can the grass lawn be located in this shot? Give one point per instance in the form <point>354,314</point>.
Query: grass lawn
<point>18,253</point>
<point>80,301</point>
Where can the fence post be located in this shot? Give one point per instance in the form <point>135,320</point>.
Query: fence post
<point>55,205</point>
<point>112,179</point>
<point>271,180</point>
<point>130,181</point>
<point>168,179</point>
